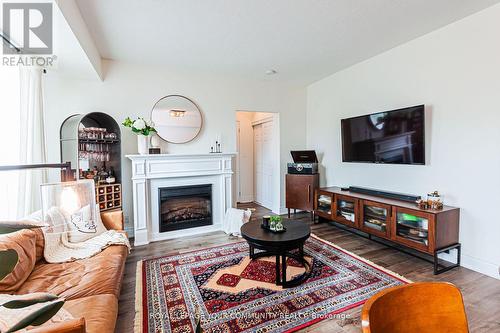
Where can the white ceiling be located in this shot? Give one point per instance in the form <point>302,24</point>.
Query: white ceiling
<point>304,40</point>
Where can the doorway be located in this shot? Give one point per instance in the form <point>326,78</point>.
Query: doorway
<point>258,160</point>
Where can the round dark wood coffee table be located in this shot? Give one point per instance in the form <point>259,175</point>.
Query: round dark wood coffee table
<point>280,245</point>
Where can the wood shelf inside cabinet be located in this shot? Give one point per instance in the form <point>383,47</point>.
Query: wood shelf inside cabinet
<point>109,196</point>
<point>110,141</point>
<point>412,227</point>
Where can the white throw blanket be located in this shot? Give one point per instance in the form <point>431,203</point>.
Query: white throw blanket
<point>234,219</point>
<point>59,248</point>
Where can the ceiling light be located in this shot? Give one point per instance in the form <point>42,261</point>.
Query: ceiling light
<point>177,113</point>
<point>271,72</point>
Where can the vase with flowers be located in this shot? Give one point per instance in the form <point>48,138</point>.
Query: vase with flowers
<point>143,129</point>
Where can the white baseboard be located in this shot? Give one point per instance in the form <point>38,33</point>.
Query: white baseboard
<point>185,232</point>
<point>480,266</point>
<point>245,198</point>
<point>473,263</point>
<point>130,232</point>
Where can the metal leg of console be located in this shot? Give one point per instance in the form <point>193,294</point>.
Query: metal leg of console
<point>438,270</point>
<point>283,270</point>
<point>278,279</point>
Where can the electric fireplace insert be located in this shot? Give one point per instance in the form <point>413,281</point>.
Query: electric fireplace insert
<point>185,207</point>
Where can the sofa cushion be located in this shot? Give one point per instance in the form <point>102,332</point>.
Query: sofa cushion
<point>40,243</point>
<point>23,242</point>
<point>100,312</point>
<point>100,274</point>
<point>67,326</point>
<point>112,220</point>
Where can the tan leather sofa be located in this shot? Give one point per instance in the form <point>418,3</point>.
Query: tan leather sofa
<point>90,286</point>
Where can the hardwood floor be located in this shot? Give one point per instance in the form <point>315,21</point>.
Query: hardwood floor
<point>481,293</point>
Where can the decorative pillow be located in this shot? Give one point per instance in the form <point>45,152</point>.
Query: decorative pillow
<point>34,220</point>
<point>82,227</point>
<point>24,243</point>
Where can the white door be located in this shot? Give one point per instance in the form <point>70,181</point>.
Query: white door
<point>264,163</point>
<point>267,163</point>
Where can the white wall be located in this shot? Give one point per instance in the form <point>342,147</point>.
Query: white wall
<point>245,178</point>
<point>455,71</point>
<point>132,90</point>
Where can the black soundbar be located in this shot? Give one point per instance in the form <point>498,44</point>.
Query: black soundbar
<point>385,194</point>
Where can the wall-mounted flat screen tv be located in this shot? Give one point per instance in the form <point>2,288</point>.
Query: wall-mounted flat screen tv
<point>396,137</point>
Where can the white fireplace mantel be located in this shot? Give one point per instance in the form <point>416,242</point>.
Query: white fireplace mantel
<point>151,172</point>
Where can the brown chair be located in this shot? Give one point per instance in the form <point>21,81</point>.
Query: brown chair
<point>423,307</point>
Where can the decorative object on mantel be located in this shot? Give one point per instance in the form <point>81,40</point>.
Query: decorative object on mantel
<point>177,118</point>
<point>217,146</point>
<point>155,144</point>
<point>143,129</point>
<point>154,151</point>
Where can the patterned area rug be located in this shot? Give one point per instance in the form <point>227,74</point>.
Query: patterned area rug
<point>231,293</point>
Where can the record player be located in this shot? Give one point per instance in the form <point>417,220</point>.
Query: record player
<point>305,162</point>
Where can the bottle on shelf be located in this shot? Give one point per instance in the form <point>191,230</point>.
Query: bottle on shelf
<point>110,179</point>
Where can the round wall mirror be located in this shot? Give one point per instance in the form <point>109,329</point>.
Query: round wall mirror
<point>177,119</point>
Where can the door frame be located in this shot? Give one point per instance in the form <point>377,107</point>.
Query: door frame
<point>278,180</point>
<point>261,123</point>
<point>238,162</point>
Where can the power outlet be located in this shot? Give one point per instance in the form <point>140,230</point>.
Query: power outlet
<point>129,227</point>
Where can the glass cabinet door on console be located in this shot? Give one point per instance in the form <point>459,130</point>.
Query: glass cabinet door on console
<point>414,228</point>
<point>375,218</point>
<point>346,210</point>
<point>324,204</point>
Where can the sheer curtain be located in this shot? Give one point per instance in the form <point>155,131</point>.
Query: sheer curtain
<point>32,148</point>
<point>9,149</point>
